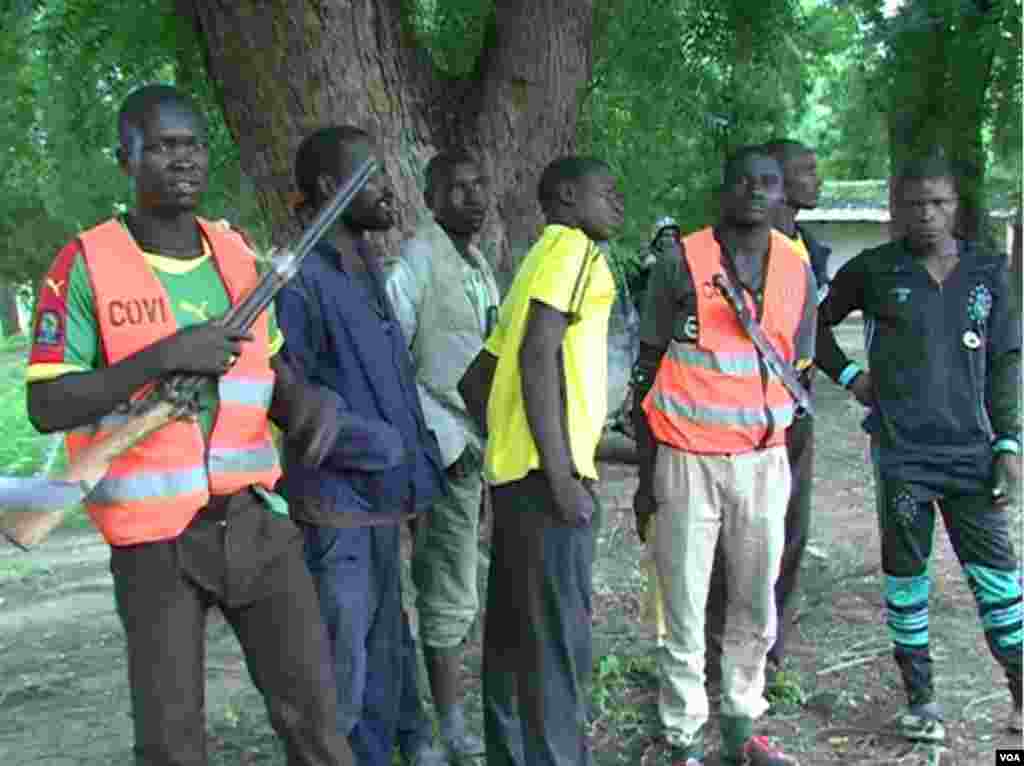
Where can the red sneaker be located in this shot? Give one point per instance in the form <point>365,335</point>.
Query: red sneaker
<point>758,751</point>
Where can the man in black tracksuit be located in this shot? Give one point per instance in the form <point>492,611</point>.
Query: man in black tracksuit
<point>944,383</point>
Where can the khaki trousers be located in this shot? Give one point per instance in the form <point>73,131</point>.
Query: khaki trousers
<point>703,500</point>
<point>444,563</point>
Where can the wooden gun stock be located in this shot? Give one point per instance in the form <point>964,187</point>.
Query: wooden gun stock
<point>170,399</point>
<point>26,528</point>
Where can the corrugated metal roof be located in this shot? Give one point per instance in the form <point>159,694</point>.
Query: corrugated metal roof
<point>848,215</point>
<point>867,215</point>
<point>868,202</point>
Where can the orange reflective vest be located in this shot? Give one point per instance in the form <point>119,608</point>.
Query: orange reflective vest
<point>153,490</point>
<point>711,396</point>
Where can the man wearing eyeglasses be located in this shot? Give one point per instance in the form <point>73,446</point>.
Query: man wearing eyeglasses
<point>943,379</point>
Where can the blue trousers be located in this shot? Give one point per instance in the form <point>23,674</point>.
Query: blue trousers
<point>537,637</point>
<point>357,576</point>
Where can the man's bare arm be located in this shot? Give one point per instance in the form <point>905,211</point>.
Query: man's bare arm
<point>79,398</point>
<point>541,380</point>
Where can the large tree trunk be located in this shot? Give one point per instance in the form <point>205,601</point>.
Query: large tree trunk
<point>285,69</point>
<point>9,317</point>
<point>1016,257</point>
<point>943,57</point>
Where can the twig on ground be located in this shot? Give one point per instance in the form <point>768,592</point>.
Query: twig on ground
<point>873,741</point>
<point>829,587</point>
<point>872,642</point>
<point>979,700</point>
<point>853,662</point>
<point>887,760</point>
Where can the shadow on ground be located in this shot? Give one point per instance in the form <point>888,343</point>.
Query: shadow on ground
<point>64,697</point>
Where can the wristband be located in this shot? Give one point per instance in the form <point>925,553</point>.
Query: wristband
<point>1006,444</point>
<point>849,374</point>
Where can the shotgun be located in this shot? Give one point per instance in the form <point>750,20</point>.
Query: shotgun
<point>33,507</point>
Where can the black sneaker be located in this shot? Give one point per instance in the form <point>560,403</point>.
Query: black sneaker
<point>922,723</point>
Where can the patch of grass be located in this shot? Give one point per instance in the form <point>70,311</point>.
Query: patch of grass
<point>615,676</point>
<point>13,343</point>
<point>24,451</point>
<point>19,568</point>
<point>785,691</point>
<point>623,707</point>
<point>241,735</point>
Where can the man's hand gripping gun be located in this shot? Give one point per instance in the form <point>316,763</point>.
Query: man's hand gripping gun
<point>34,506</point>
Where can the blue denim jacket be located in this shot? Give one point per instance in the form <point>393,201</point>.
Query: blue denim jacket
<point>347,339</point>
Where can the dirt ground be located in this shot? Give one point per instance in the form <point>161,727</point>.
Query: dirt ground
<point>64,697</point>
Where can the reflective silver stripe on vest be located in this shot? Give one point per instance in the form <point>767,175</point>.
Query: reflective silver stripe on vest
<point>140,487</point>
<point>243,460</point>
<point>247,391</point>
<point>736,363</point>
<point>741,417</point>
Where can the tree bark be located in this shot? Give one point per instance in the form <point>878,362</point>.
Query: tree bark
<point>285,69</point>
<point>941,68</point>
<point>1016,257</point>
<point>9,316</point>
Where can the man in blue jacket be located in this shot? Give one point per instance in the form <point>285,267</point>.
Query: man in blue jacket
<point>341,331</point>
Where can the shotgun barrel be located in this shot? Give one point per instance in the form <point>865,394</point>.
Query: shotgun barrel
<point>24,518</point>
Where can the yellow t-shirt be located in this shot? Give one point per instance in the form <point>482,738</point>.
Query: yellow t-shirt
<point>566,271</point>
<point>800,248</point>
<point>798,245</point>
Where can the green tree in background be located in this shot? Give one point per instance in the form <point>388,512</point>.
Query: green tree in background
<point>845,117</point>
<point>660,88</point>
<point>678,84</point>
<point>66,67</point>
<point>952,75</point>
<point>921,76</point>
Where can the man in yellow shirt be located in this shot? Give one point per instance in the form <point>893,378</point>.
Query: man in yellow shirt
<point>544,416</point>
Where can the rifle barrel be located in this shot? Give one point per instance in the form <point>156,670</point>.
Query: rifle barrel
<point>329,213</point>
<point>243,314</point>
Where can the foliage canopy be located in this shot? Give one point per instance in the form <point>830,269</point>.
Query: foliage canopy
<point>676,84</point>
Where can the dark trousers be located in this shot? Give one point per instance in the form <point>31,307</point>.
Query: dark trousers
<point>537,635</point>
<point>980,538</point>
<point>239,557</point>
<point>357,574</point>
<point>800,450</point>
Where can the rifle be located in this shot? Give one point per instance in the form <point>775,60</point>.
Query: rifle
<point>40,504</point>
